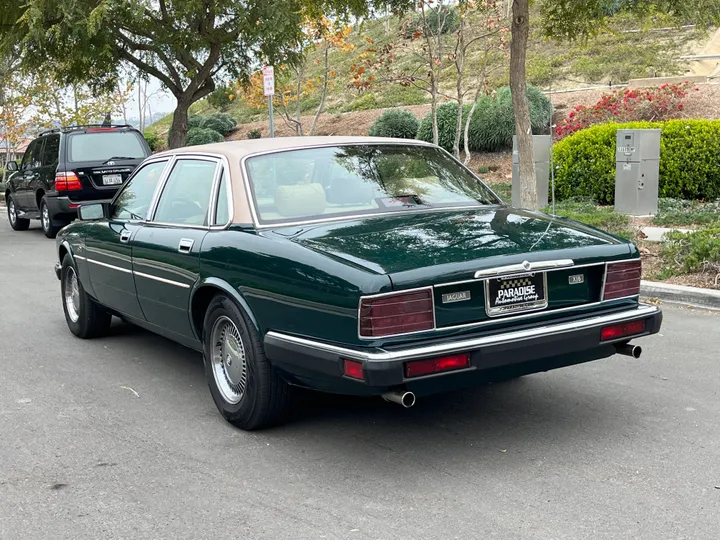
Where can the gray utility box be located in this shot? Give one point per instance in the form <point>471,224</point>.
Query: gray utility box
<point>542,146</point>
<point>637,171</point>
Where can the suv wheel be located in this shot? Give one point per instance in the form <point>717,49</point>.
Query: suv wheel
<point>47,219</point>
<point>18,224</point>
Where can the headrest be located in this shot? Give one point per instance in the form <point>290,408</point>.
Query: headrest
<point>300,200</point>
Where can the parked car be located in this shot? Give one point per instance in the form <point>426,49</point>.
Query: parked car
<point>65,167</point>
<point>362,266</point>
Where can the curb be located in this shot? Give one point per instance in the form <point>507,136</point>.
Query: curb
<point>681,294</point>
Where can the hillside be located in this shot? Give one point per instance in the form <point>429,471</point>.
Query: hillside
<point>616,55</point>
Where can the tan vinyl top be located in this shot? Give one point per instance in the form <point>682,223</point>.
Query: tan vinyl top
<point>235,151</point>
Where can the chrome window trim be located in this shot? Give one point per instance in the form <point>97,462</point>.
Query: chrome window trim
<point>251,200</point>
<point>395,293</point>
<point>163,176</point>
<point>215,158</point>
<point>225,168</point>
<point>424,351</point>
<point>162,280</point>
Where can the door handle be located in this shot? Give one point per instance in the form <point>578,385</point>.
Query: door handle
<point>185,245</point>
<point>125,236</point>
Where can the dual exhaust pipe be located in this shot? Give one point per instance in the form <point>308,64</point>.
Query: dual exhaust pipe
<point>407,399</point>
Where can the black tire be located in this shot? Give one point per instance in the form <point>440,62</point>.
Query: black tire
<point>265,399</point>
<point>48,220</point>
<point>17,224</point>
<point>89,319</point>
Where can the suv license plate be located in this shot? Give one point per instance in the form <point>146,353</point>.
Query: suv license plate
<point>112,179</point>
<point>526,292</point>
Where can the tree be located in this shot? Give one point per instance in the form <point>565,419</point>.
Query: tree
<point>185,44</point>
<point>571,20</point>
<point>13,102</point>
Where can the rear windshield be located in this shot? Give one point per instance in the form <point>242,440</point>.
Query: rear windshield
<point>104,145</point>
<point>330,182</point>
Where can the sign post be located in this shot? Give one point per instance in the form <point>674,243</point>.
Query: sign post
<point>269,84</point>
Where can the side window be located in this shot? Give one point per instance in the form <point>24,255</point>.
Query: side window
<point>31,159</point>
<point>51,152</point>
<point>222,209</point>
<point>185,200</point>
<point>135,198</point>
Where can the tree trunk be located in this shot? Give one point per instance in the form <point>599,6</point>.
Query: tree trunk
<point>521,106</point>
<point>178,130</point>
<point>323,96</point>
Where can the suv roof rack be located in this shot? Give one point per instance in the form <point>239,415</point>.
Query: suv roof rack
<point>66,129</point>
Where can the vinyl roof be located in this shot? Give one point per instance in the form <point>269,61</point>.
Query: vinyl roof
<point>240,149</point>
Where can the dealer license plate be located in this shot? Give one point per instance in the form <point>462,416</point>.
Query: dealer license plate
<point>112,179</point>
<point>526,292</point>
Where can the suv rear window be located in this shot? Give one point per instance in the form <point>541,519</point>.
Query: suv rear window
<point>104,145</point>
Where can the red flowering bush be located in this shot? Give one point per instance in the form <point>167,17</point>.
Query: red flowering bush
<point>630,105</point>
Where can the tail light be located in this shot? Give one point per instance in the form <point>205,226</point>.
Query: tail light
<point>399,313</point>
<point>619,331</point>
<point>67,181</point>
<point>353,369</point>
<point>418,368</point>
<point>622,279</point>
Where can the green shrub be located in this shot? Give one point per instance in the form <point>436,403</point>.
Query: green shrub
<point>153,139</point>
<point>195,121</point>
<point>689,160</point>
<point>680,212</point>
<point>221,97</point>
<point>587,211</point>
<point>203,136</point>
<point>363,103</point>
<point>483,169</point>
<point>395,123</point>
<point>447,124</point>
<point>493,123</point>
<point>691,252</point>
<point>254,134</point>
<point>221,122</point>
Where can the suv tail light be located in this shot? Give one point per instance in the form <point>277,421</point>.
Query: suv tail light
<point>398,313</point>
<point>622,279</point>
<point>67,181</point>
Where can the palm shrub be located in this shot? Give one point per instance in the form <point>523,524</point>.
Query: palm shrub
<point>395,123</point>
<point>447,124</point>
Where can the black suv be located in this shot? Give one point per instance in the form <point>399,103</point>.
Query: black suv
<point>66,166</point>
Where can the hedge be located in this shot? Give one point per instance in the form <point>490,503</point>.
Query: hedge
<point>689,160</point>
<point>203,136</point>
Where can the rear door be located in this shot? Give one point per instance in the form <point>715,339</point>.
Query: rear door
<point>166,249</point>
<point>109,242</point>
<point>28,173</point>
<point>103,159</point>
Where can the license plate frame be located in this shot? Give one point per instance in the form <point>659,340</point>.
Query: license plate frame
<point>112,179</point>
<point>497,305</point>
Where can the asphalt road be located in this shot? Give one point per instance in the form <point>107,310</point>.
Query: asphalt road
<point>119,438</point>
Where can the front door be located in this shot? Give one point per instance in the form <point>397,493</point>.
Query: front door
<point>109,242</point>
<point>29,168</point>
<point>166,249</point>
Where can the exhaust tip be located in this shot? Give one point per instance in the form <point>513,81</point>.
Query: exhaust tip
<point>405,399</point>
<point>629,350</point>
<point>636,351</point>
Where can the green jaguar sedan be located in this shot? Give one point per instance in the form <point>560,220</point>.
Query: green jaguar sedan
<point>363,266</point>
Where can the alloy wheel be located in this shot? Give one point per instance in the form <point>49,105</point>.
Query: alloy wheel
<point>72,295</point>
<point>12,213</point>
<point>229,361</point>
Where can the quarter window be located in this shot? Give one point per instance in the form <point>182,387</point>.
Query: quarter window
<point>135,199</point>
<point>185,200</point>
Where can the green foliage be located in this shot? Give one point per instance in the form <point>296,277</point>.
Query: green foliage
<point>153,139</point>
<point>395,123</point>
<point>689,160</point>
<point>363,103</point>
<point>493,123</point>
<point>221,122</point>
<point>254,134</point>
<point>483,169</point>
<point>447,124</point>
<point>588,212</point>
<point>440,20</point>
<point>541,70</point>
<point>691,252</point>
<point>502,190</point>
<point>680,212</point>
<point>203,136</point>
<point>195,121</point>
<point>221,97</point>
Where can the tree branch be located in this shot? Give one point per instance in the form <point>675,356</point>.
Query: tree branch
<point>176,89</point>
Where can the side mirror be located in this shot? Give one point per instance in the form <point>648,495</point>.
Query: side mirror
<point>91,212</point>
<point>12,166</point>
